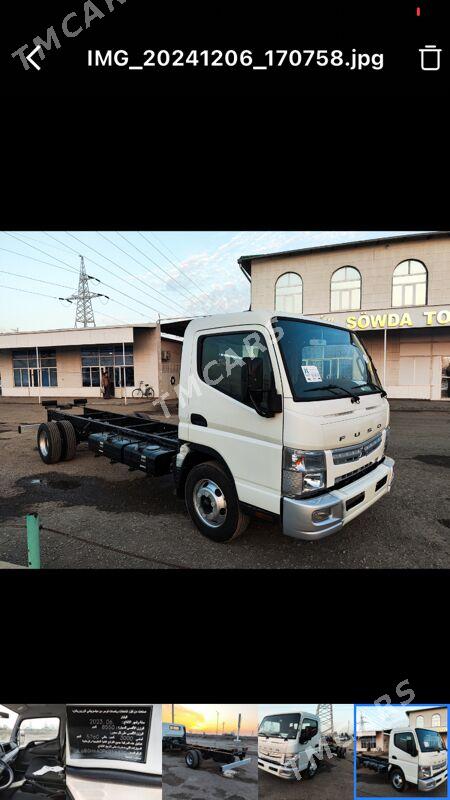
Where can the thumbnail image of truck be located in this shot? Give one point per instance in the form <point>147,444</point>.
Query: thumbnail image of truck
<point>416,757</point>
<point>280,416</point>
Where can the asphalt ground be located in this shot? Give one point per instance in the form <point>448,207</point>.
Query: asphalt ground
<point>95,514</point>
<point>376,784</point>
<point>332,781</point>
<point>207,782</point>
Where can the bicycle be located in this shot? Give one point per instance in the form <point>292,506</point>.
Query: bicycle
<point>140,392</point>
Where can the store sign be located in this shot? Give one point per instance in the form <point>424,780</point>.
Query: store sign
<point>412,318</point>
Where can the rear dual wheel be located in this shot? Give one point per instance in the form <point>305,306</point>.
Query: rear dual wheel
<point>56,441</point>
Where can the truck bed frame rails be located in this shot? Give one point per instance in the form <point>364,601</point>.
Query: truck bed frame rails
<point>377,763</point>
<point>145,444</point>
<point>228,758</point>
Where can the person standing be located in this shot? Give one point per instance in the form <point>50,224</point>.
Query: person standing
<point>106,385</point>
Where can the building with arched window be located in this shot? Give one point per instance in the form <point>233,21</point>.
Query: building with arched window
<point>289,293</point>
<point>393,291</point>
<point>433,717</point>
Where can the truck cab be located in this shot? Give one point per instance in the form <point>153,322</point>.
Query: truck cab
<point>32,752</point>
<point>173,736</point>
<point>289,743</point>
<point>283,416</point>
<point>417,756</point>
<point>114,752</point>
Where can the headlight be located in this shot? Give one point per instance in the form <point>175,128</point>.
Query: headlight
<point>304,471</point>
<point>424,772</point>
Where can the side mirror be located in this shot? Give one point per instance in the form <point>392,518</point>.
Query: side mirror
<point>267,402</point>
<point>304,737</point>
<point>411,749</point>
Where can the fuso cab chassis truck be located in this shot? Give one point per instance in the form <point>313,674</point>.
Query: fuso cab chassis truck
<point>229,758</point>
<point>416,755</point>
<point>280,416</point>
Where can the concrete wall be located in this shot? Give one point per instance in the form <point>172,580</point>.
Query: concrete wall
<point>146,357</point>
<point>376,264</point>
<point>170,369</point>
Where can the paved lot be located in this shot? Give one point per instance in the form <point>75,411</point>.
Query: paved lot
<point>207,782</point>
<point>333,780</point>
<point>100,515</point>
<point>374,784</point>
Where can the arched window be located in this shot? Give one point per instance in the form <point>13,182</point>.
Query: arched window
<point>289,293</point>
<point>409,284</point>
<point>436,721</point>
<point>419,721</point>
<point>345,289</point>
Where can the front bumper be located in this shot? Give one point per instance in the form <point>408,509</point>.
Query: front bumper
<point>342,505</point>
<point>280,770</point>
<point>427,784</point>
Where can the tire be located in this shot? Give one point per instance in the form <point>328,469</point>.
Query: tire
<point>149,392</point>
<point>192,759</point>
<point>49,442</point>
<point>397,779</point>
<point>204,483</point>
<point>69,440</point>
<point>136,393</point>
<point>311,769</point>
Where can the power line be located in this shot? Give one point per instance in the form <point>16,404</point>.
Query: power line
<point>165,273</point>
<point>53,297</point>
<point>187,277</point>
<point>39,260</point>
<point>117,265</point>
<point>140,264</point>
<point>38,280</point>
<point>76,271</point>
<point>36,248</point>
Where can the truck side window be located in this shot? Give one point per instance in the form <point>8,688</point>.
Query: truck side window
<point>309,728</point>
<point>221,357</point>
<point>401,740</point>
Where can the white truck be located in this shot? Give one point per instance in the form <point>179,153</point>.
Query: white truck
<point>289,744</point>
<point>416,755</point>
<point>280,416</point>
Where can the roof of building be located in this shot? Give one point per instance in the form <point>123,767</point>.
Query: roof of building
<point>424,708</point>
<point>245,262</point>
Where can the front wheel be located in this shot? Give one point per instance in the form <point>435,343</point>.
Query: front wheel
<point>398,780</point>
<point>192,759</point>
<point>213,504</point>
<point>311,769</point>
<point>136,393</point>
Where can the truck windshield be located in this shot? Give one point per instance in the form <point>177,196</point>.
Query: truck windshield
<point>323,362</point>
<point>429,741</point>
<point>280,726</point>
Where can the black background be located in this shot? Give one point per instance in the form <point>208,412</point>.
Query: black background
<point>370,26</point>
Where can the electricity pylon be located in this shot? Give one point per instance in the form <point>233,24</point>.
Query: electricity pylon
<point>325,713</point>
<point>84,314</point>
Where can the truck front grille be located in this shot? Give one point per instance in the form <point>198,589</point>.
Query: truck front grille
<point>345,455</point>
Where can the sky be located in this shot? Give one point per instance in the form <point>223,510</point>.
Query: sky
<point>342,713</point>
<point>383,716</point>
<point>144,274</point>
<point>202,717</point>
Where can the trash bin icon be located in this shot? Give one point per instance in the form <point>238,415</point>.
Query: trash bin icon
<point>430,57</point>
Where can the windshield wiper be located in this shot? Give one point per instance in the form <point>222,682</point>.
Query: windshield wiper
<point>372,386</point>
<point>330,387</point>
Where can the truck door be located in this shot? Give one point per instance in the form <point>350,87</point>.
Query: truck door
<point>222,419</point>
<point>309,741</point>
<point>404,754</point>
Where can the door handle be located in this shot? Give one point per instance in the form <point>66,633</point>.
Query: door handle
<point>394,757</point>
<point>198,419</point>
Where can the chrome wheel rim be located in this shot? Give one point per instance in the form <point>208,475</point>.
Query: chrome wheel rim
<point>210,503</point>
<point>312,767</point>
<point>397,781</point>
<point>43,443</point>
